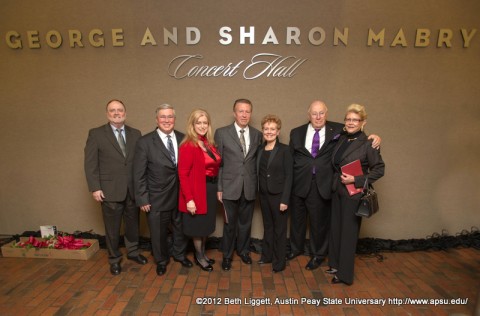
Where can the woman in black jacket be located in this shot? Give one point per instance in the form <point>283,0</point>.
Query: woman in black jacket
<point>275,173</point>
<point>345,225</point>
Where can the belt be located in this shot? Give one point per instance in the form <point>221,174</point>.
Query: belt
<point>211,179</point>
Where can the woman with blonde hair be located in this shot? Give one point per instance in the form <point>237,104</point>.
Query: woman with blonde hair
<point>198,164</point>
<point>345,225</point>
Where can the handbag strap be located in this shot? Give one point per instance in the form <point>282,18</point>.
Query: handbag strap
<point>365,185</point>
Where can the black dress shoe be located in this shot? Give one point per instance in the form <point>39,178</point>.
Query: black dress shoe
<point>313,264</point>
<point>207,268</point>
<point>336,280</point>
<point>246,258</point>
<point>140,259</point>
<point>331,271</point>
<point>211,261</point>
<point>226,264</point>
<point>278,270</point>
<point>291,255</point>
<point>115,268</point>
<point>161,269</point>
<point>261,261</point>
<point>185,262</point>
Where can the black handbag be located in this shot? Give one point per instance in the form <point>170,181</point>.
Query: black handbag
<point>368,202</point>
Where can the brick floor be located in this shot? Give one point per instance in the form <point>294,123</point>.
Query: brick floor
<point>73,287</point>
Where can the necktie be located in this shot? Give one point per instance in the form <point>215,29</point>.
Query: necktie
<point>121,142</point>
<point>315,146</point>
<point>242,142</point>
<point>170,148</point>
<point>316,143</point>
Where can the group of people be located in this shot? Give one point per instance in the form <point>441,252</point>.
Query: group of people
<point>179,179</point>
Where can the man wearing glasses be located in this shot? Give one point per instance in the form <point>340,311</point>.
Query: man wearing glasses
<point>312,145</point>
<point>156,187</point>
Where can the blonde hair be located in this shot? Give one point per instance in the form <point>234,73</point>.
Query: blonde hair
<point>357,109</point>
<point>191,135</point>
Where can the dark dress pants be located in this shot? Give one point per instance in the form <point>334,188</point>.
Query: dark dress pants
<point>318,210</point>
<point>274,230</point>
<point>113,213</point>
<point>345,227</point>
<point>158,223</point>
<point>240,214</point>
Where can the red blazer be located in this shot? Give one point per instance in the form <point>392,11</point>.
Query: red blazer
<point>191,172</point>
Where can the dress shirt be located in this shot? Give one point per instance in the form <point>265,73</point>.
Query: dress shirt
<point>122,130</point>
<point>164,139</point>
<point>309,137</point>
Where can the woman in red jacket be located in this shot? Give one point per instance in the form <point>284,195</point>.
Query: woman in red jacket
<point>198,164</point>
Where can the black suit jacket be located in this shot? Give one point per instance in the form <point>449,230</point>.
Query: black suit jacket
<point>370,159</point>
<point>155,175</point>
<point>279,170</point>
<point>303,161</point>
<point>106,168</point>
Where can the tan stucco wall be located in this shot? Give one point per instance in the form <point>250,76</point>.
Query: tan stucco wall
<point>422,101</point>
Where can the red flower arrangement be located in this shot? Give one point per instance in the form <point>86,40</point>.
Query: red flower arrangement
<point>57,242</point>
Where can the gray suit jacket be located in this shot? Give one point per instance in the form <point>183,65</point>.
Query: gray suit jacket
<point>106,168</point>
<point>237,173</point>
<point>155,175</point>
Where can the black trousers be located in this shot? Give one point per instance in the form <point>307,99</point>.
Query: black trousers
<point>158,223</point>
<point>274,230</point>
<point>345,227</point>
<point>240,214</point>
<point>113,214</point>
<point>318,210</point>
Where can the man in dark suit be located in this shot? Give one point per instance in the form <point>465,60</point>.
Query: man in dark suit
<point>156,187</point>
<point>108,169</point>
<point>312,145</point>
<point>237,181</point>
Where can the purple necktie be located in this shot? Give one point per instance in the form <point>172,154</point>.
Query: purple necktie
<point>315,146</point>
<point>315,143</point>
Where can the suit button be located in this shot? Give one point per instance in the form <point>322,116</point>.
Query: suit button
<point>268,176</point>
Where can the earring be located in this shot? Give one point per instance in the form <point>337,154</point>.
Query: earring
<point>344,129</point>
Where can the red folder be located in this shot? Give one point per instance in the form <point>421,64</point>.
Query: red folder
<point>354,169</point>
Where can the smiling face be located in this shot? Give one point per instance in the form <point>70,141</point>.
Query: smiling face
<point>270,131</point>
<point>166,120</point>
<point>353,122</point>
<point>317,114</point>
<point>201,125</point>
<point>242,113</point>
<point>116,113</point>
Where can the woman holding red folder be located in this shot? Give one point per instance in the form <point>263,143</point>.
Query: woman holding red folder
<point>354,153</point>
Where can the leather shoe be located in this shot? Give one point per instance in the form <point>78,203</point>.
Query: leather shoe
<point>278,270</point>
<point>336,280</point>
<point>161,269</point>
<point>331,271</point>
<point>211,261</point>
<point>291,255</point>
<point>207,268</point>
<point>246,258</point>
<point>313,264</point>
<point>226,264</point>
<point>140,259</point>
<point>185,262</point>
<point>261,261</point>
<point>115,268</point>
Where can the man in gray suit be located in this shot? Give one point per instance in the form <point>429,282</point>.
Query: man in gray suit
<point>237,181</point>
<point>108,169</point>
<point>156,187</point>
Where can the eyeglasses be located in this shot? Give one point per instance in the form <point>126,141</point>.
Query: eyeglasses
<point>352,120</point>
<point>166,117</point>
